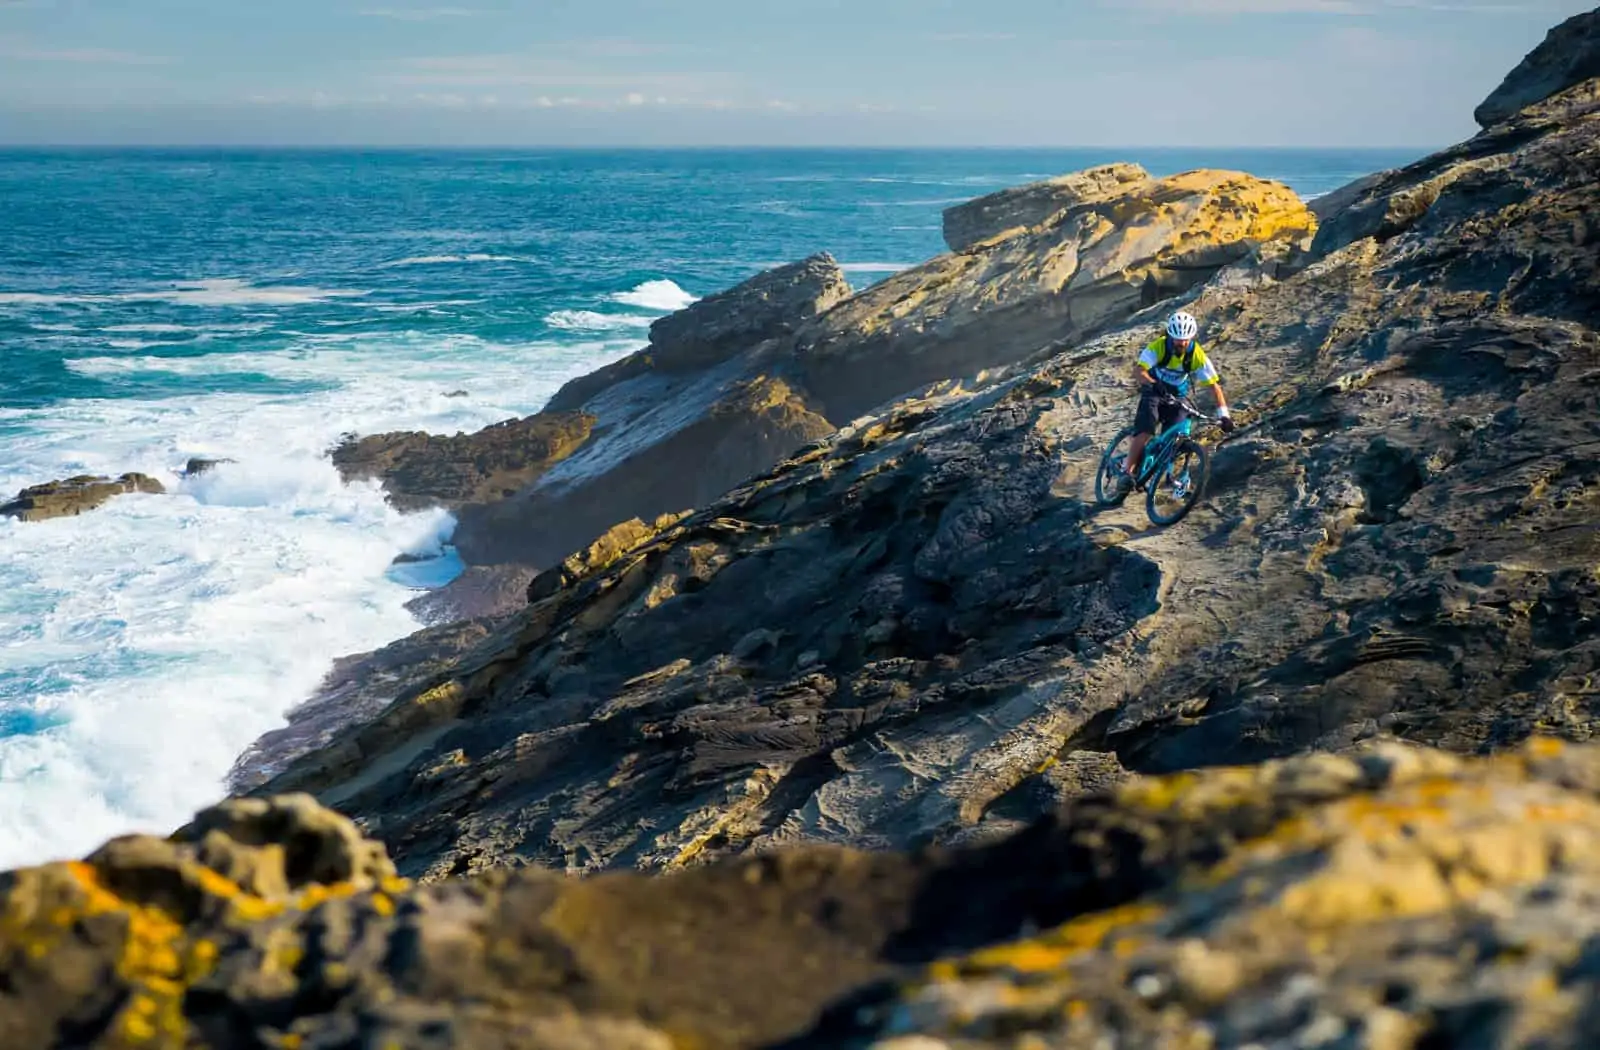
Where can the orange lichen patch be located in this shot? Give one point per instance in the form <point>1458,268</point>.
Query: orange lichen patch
<point>1191,795</point>
<point>1545,747</point>
<point>156,959</point>
<point>1391,835</point>
<point>1049,951</point>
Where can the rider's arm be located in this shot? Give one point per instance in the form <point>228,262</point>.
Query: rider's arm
<point>1206,376</point>
<point>1142,366</point>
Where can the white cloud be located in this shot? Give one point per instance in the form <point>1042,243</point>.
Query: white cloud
<point>418,14</point>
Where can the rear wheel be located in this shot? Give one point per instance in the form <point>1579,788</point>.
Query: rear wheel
<point>1107,491</point>
<point>1179,485</point>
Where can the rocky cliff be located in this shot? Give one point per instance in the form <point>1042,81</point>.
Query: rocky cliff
<point>1570,54</point>
<point>888,636</point>
<point>738,380</point>
<point>1205,786</point>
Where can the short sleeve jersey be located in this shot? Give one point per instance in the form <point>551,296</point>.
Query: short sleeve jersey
<point>1169,368</point>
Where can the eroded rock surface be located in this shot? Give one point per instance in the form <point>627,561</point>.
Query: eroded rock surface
<point>1569,54</point>
<point>739,380</point>
<point>1392,897</point>
<point>1119,244</point>
<point>73,496</point>
<point>1395,201</point>
<point>424,470</point>
<point>889,636</point>
<point>1023,207</point>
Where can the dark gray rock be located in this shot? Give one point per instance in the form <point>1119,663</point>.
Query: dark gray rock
<point>1569,55</point>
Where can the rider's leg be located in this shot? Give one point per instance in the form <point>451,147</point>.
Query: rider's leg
<point>1144,428</point>
<point>1136,452</point>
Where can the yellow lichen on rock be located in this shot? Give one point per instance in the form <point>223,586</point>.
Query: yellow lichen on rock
<point>1075,270</point>
<point>1386,845</point>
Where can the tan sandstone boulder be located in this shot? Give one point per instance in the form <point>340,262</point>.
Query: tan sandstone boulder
<point>73,496</point>
<point>1119,244</point>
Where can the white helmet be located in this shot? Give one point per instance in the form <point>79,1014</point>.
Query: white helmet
<point>1182,326</point>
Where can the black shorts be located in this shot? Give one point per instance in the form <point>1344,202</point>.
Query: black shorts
<point>1151,409</point>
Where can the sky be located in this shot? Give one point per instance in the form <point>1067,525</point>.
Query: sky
<point>1340,73</point>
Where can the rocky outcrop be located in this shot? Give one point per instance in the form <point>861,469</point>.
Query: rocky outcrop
<point>670,443</point>
<point>1391,897</point>
<point>885,638</point>
<point>479,591</point>
<point>1396,201</point>
<point>729,386</point>
<point>706,333</point>
<point>1024,207</point>
<point>1126,243</point>
<point>359,688</point>
<point>74,495</point>
<point>1570,54</point>
<point>422,470</point>
<point>1117,785</point>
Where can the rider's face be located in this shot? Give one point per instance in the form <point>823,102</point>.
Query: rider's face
<point>1181,344</point>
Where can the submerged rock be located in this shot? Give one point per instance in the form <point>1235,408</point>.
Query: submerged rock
<point>73,496</point>
<point>198,465</point>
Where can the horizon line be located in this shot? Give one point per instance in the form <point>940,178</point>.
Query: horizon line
<point>688,147</point>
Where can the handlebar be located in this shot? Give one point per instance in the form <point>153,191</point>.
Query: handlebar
<point>1189,406</point>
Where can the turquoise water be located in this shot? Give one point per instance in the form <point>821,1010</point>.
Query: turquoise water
<point>157,305</point>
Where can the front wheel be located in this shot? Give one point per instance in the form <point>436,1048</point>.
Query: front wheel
<point>1180,484</point>
<point>1107,491</point>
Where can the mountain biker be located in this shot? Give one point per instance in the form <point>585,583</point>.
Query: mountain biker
<point>1164,370</point>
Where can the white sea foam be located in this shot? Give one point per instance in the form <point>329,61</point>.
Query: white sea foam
<point>656,295</point>
<point>145,645</point>
<point>590,321</point>
<point>875,267</point>
<point>221,291</point>
<point>151,329</point>
<point>446,260</point>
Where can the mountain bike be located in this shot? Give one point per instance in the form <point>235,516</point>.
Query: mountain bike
<point>1175,466</point>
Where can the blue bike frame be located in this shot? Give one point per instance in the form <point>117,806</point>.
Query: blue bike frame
<point>1156,450</point>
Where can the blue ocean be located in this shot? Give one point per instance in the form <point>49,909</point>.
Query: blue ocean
<point>254,307</point>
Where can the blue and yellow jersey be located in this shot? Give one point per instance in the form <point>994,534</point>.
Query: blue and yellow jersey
<point>1169,366</point>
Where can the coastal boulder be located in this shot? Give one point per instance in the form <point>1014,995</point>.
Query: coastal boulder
<point>73,496</point>
<point>670,442</point>
<point>1569,54</point>
<point>1393,897</point>
<point>1118,244</point>
<point>1023,207</point>
<point>423,470</point>
<point>768,306</point>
